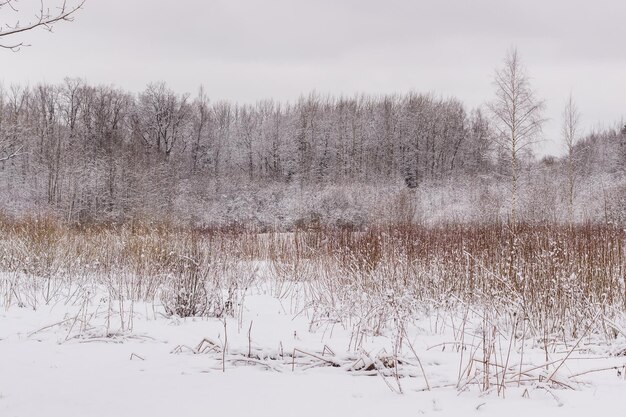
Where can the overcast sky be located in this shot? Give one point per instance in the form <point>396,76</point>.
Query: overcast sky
<point>244,51</point>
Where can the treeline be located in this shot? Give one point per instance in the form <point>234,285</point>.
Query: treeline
<point>97,153</point>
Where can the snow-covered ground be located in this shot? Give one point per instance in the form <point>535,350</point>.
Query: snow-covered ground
<point>75,360</point>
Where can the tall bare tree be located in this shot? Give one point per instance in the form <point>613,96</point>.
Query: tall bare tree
<point>12,125</point>
<point>201,119</point>
<point>163,116</point>
<point>517,115</point>
<point>571,120</point>
<point>44,18</point>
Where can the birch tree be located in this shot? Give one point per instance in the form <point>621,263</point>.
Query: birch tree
<point>518,120</point>
<point>571,119</point>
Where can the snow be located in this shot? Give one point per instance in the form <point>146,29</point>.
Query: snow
<point>53,365</point>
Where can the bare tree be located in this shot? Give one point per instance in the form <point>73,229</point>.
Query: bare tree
<point>45,18</point>
<point>571,119</point>
<point>517,115</point>
<point>247,120</point>
<point>222,113</point>
<point>163,117</point>
<point>11,123</point>
<point>201,118</point>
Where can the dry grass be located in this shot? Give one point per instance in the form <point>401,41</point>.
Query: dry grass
<point>556,278</point>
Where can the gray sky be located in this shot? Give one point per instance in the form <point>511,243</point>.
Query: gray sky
<point>249,50</point>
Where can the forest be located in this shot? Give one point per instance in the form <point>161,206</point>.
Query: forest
<point>85,153</point>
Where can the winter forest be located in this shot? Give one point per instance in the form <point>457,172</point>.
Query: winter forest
<point>368,253</point>
<point>86,153</point>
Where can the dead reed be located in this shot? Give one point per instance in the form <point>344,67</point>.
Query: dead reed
<point>558,279</point>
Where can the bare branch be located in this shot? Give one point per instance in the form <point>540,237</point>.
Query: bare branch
<point>44,19</point>
<point>5,155</point>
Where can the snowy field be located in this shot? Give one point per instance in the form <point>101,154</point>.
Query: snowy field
<point>451,242</point>
<point>100,357</point>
